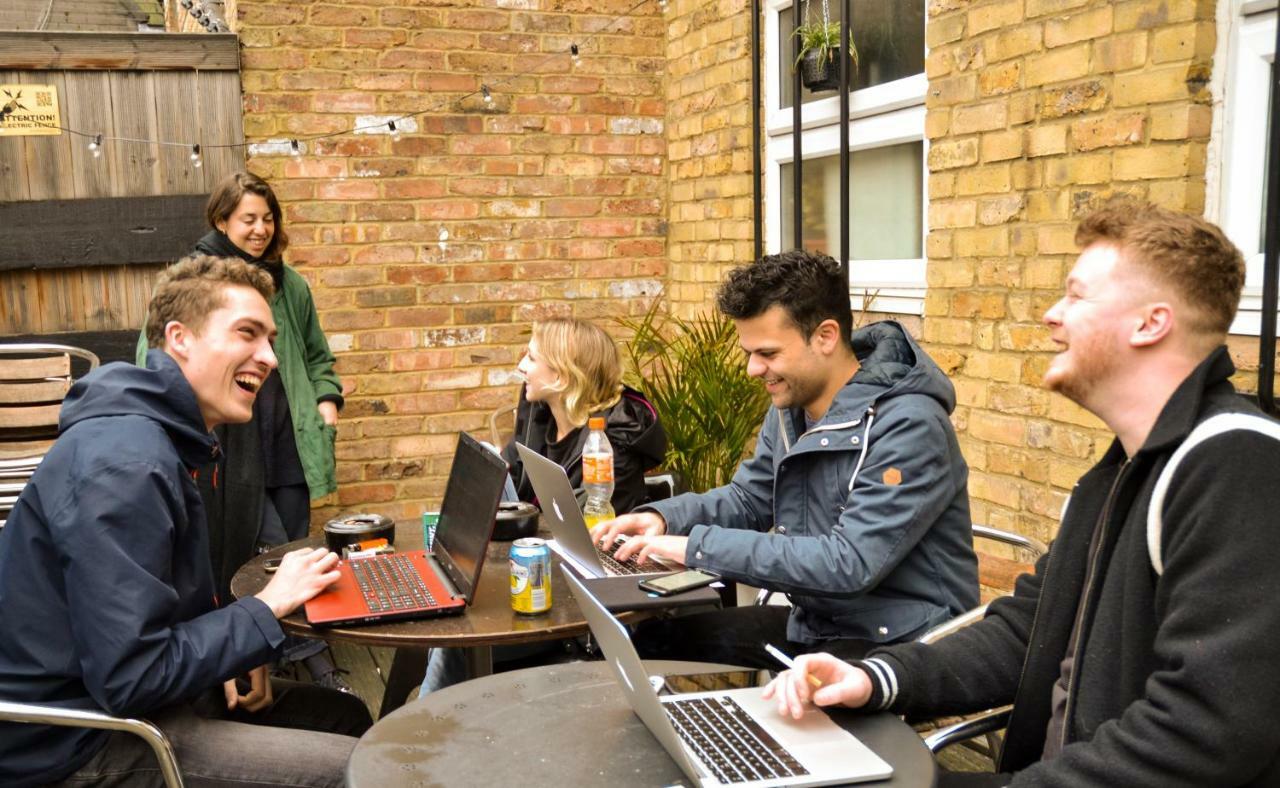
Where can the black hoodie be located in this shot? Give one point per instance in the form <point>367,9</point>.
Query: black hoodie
<point>106,593</point>
<point>632,428</point>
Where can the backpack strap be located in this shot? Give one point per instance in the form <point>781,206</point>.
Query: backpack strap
<point>1210,427</point>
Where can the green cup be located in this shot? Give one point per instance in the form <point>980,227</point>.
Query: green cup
<point>429,522</point>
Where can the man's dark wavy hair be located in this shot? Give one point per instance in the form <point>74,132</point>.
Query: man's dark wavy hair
<point>808,285</point>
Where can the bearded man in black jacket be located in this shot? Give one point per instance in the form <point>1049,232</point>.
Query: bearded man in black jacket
<point>1142,649</point>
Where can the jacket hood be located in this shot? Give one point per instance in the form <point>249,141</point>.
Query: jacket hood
<point>638,421</point>
<point>631,422</point>
<point>159,392</point>
<point>892,364</point>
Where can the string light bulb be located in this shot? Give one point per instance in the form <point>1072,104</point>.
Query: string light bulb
<point>488,97</point>
<point>95,146</point>
<point>196,161</point>
<point>444,239</point>
<point>573,53</point>
<point>663,5</point>
<point>395,132</point>
<point>294,148</point>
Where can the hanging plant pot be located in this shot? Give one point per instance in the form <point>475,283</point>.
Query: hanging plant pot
<point>818,72</point>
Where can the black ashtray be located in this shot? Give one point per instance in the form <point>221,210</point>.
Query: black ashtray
<point>515,520</point>
<point>352,528</point>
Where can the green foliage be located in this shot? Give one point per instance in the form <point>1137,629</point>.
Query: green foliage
<point>823,38</point>
<point>694,373</point>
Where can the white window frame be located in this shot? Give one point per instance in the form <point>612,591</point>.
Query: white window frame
<point>881,115</point>
<point>1235,181</point>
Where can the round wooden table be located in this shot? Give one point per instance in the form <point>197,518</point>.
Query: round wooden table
<point>488,622</point>
<point>566,725</point>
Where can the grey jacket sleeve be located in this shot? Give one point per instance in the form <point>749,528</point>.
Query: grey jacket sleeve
<point>745,502</point>
<point>905,483</point>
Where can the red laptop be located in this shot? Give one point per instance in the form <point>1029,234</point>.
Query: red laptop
<point>416,583</point>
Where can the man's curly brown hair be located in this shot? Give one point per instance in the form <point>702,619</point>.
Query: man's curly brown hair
<point>191,289</point>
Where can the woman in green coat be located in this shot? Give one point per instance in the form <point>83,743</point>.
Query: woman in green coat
<point>259,494</point>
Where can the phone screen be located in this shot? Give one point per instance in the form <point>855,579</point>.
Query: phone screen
<point>670,584</point>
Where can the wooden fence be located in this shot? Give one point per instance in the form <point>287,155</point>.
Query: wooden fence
<point>82,238</point>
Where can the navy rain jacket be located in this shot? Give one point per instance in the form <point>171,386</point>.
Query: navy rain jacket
<point>106,593</point>
<point>871,508</point>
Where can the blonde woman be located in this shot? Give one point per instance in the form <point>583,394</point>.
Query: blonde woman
<point>572,371</point>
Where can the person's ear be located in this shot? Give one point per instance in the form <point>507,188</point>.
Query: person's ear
<point>827,335</point>
<point>177,339</point>
<point>221,226</point>
<point>1153,324</point>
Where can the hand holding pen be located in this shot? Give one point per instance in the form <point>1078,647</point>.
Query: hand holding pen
<point>816,679</point>
<point>790,664</point>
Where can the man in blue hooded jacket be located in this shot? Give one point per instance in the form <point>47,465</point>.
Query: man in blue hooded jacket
<point>107,597</point>
<point>856,470</point>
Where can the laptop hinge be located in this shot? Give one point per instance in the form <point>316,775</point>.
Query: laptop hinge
<point>443,576</point>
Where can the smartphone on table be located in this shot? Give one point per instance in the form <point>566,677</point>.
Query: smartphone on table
<point>689,579</point>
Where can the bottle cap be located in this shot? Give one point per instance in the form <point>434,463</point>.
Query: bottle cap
<point>595,423</point>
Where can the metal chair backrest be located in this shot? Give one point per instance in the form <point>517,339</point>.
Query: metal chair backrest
<point>34,379</point>
<point>76,718</point>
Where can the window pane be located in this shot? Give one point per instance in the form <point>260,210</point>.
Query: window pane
<point>885,203</point>
<point>888,34</point>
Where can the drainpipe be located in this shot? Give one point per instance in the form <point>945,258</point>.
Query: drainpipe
<point>1270,249</point>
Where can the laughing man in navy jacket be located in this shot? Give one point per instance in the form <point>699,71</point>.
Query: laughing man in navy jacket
<point>106,592</point>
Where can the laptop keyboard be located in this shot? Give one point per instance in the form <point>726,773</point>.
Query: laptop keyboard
<point>390,582</point>
<point>629,567</point>
<point>729,742</point>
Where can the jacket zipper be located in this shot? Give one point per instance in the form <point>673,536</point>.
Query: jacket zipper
<point>1085,598</point>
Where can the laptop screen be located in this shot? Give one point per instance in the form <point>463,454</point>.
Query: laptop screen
<point>467,512</point>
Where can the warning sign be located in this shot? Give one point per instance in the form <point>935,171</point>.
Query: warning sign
<point>27,110</point>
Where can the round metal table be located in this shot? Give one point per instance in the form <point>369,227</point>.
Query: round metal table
<point>565,725</point>
<point>488,622</point>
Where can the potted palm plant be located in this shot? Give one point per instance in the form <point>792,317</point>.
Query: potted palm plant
<point>818,47</point>
<point>694,374</point>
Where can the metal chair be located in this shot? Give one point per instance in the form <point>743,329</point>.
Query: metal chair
<point>75,718</point>
<point>659,487</point>
<point>34,379</point>
<point>1000,570</point>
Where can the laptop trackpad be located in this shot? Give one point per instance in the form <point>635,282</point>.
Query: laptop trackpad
<point>814,739</point>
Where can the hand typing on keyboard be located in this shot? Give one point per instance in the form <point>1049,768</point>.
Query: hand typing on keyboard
<point>642,547</point>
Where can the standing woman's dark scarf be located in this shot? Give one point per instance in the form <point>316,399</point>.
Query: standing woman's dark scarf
<point>216,243</point>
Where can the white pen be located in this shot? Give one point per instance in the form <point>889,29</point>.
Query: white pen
<point>790,663</point>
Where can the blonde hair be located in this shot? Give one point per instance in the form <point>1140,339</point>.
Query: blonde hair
<point>586,360</point>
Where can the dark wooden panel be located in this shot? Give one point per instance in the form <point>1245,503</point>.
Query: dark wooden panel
<point>113,231</point>
<point>108,346</point>
<point>119,51</point>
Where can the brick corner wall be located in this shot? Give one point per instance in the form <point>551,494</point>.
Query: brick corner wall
<point>1036,111</point>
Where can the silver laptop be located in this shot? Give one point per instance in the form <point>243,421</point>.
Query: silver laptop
<point>561,512</point>
<point>730,737</point>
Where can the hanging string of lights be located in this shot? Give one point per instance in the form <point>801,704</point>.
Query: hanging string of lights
<point>393,126</point>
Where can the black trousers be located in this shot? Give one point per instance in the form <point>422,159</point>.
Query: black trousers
<point>733,636</point>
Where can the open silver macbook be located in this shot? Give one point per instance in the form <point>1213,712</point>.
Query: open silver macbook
<point>562,515</point>
<point>730,737</point>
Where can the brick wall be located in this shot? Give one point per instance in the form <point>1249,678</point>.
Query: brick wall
<point>554,198</point>
<point>1037,109</point>
<point>708,94</point>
